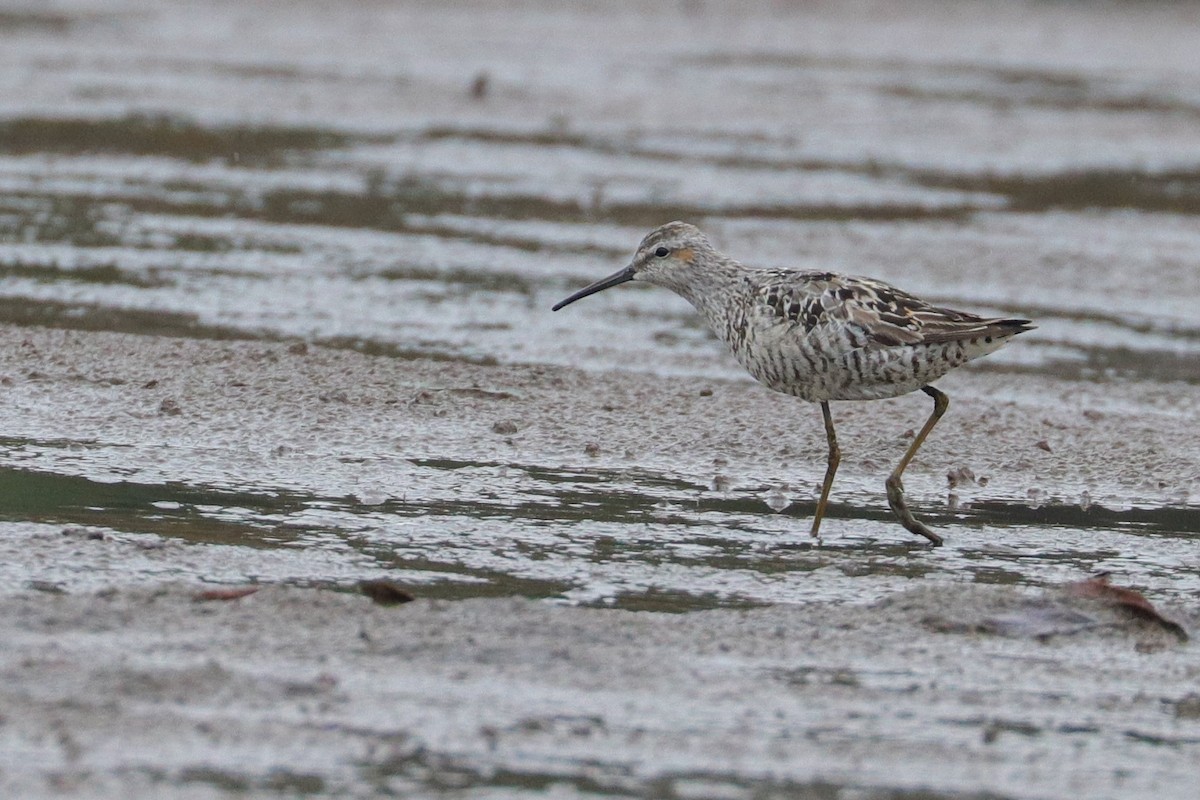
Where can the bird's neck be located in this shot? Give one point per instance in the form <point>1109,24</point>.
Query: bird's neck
<point>712,289</point>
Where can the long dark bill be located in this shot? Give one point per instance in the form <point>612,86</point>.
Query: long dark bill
<point>599,286</point>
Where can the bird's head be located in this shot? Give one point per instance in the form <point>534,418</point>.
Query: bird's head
<point>664,258</point>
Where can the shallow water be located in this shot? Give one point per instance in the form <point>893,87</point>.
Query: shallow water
<point>354,185</point>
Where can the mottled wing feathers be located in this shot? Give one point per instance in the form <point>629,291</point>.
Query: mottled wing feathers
<point>870,311</point>
<point>944,325</point>
<point>792,301</point>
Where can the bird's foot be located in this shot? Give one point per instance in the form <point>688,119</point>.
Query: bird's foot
<point>815,533</point>
<point>895,495</point>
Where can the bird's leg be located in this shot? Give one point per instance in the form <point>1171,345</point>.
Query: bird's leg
<point>835,458</point>
<point>895,489</point>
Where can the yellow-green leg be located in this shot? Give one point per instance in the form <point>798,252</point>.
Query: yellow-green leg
<point>895,489</point>
<point>835,458</point>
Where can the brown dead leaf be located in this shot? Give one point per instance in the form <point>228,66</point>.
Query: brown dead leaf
<point>1100,588</point>
<point>385,592</point>
<point>231,593</point>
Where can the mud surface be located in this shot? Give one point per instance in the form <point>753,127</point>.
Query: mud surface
<point>274,313</point>
<point>296,692</point>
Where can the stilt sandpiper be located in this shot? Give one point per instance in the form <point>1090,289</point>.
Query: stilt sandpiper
<point>819,336</point>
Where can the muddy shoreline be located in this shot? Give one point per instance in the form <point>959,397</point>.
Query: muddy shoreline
<point>275,290</point>
<point>118,682</point>
<point>303,691</point>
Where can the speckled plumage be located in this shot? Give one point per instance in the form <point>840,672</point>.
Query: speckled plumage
<point>819,336</point>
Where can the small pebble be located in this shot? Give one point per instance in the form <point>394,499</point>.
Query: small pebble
<point>480,86</point>
<point>504,427</point>
<point>960,476</point>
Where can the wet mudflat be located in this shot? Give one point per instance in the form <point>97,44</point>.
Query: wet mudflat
<point>274,311</point>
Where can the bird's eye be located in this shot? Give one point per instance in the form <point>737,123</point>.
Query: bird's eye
<point>662,252</point>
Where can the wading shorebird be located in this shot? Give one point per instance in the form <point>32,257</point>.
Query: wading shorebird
<point>819,336</point>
